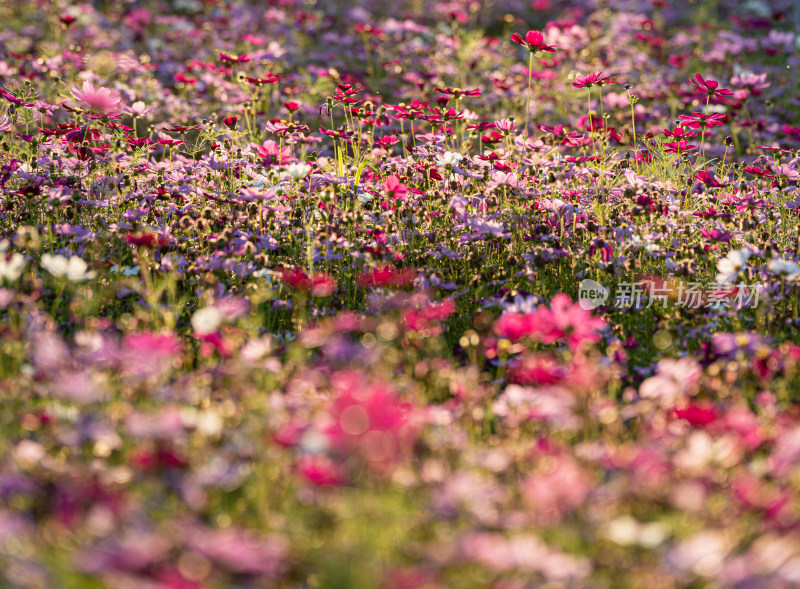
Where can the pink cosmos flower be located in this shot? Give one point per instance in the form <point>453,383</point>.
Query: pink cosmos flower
<point>555,491</point>
<point>370,421</point>
<point>516,326</point>
<point>569,321</point>
<point>96,99</point>
<point>395,189</point>
<point>272,152</point>
<point>563,321</point>
<point>674,379</point>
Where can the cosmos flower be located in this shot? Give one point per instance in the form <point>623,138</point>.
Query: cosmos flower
<point>96,99</point>
<point>730,266</point>
<point>710,87</point>
<point>11,267</point>
<point>784,268</point>
<point>593,79</point>
<point>74,269</point>
<point>533,41</point>
<point>699,119</point>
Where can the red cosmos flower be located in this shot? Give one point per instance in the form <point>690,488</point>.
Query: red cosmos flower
<point>593,79</point>
<point>184,79</point>
<point>162,458</point>
<point>387,276</point>
<point>699,119</point>
<point>82,134</point>
<point>678,147</point>
<point>458,92</point>
<point>291,106</point>
<point>147,240</point>
<point>450,114</point>
<point>136,142</point>
<point>710,87</point>
<point>704,177</point>
<point>231,122</point>
<point>533,41</point>
<point>411,112</point>
<point>537,369</point>
<point>181,129</point>
<point>321,470</point>
<point>758,171</point>
<point>337,133</point>
<point>698,415</point>
<point>267,79</point>
<point>680,133</point>
<point>423,319</point>
<point>387,141</point>
<point>345,93</point>
<point>319,284</point>
<point>495,137</point>
<point>225,58</point>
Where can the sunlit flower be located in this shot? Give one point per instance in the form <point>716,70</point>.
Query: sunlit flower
<point>206,320</point>
<point>96,99</point>
<point>729,267</point>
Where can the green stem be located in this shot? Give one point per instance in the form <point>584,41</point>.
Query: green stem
<point>528,108</point>
<point>591,123</point>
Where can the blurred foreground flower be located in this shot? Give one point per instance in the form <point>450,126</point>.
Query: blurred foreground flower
<point>11,267</point>
<point>74,269</point>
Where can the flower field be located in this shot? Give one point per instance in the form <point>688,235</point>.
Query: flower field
<point>411,295</point>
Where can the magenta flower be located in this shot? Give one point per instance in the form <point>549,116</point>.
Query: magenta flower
<point>593,79</point>
<point>533,41</point>
<point>395,189</point>
<point>710,87</point>
<point>699,119</point>
<point>569,321</point>
<point>678,147</point>
<point>96,99</point>
<point>272,152</point>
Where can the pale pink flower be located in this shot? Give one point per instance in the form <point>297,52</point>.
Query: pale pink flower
<point>675,379</point>
<point>556,490</point>
<point>96,99</point>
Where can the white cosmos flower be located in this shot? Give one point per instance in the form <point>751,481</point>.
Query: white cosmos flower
<point>730,266</point>
<point>449,158</point>
<point>11,268</point>
<point>206,320</point>
<point>298,171</point>
<point>74,269</point>
<point>785,268</point>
